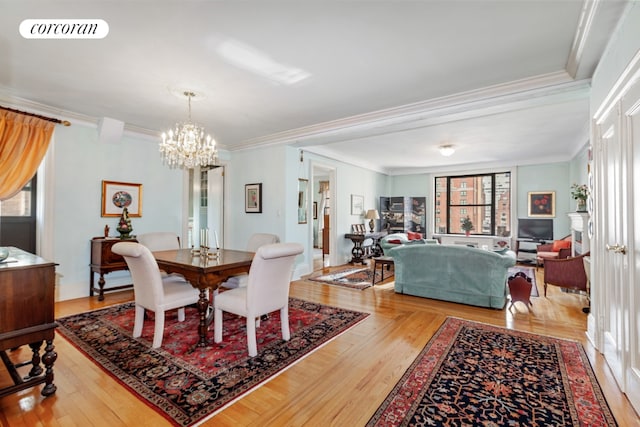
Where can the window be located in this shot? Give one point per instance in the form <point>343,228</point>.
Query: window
<point>20,204</point>
<point>486,199</point>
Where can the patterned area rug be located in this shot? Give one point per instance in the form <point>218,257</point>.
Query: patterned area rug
<point>471,374</point>
<point>531,273</point>
<point>355,278</point>
<point>187,384</point>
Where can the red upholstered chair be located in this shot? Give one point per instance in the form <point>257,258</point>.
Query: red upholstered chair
<point>566,273</point>
<point>559,249</point>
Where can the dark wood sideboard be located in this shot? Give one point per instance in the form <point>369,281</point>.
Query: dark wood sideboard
<point>27,294</point>
<point>104,261</point>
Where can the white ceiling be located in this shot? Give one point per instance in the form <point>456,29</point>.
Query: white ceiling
<point>380,83</point>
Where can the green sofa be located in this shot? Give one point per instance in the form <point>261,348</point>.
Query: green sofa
<point>453,273</point>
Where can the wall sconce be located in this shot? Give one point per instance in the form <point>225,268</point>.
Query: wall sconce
<point>447,150</point>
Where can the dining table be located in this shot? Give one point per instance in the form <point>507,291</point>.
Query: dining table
<point>204,272</point>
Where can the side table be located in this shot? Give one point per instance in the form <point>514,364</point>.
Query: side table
<point>358,252</point>
<point>104,261</point>
<point>382,261</point>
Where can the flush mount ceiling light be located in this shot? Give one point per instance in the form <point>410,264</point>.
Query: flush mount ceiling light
<point>185,146</point>
<point>447,150</point>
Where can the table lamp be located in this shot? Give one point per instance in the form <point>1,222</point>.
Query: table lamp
<point>372,214</point>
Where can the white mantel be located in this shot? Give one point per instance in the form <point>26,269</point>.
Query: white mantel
<point>580,242</point>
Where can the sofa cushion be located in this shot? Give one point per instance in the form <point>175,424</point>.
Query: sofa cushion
<point>411,235</point>
<point>560,244</point>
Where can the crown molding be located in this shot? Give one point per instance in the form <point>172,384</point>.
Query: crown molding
<point>526,90</point>
<point>583,30</point>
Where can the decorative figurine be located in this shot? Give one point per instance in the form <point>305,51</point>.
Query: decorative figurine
<point>106,230</point>
<point>124,225</point>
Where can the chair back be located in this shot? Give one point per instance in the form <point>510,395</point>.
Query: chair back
<point>147,281</point>
<point>159,241</point>
<point>270,276</point>
<point>261,239</point>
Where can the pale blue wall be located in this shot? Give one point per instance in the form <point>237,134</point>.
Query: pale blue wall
<point>549,177</point>
<point>80,165</point>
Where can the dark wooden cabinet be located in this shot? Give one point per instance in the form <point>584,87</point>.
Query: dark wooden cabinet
<point>104,261</point>
<point>27,293</point>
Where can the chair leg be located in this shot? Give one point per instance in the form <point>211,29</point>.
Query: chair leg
<point>545,290</point>
<point>284,320</point>
<point>159,329</point>
<point>138,321</point>
<point>181,314</point>
<point>251,336</point>
<point>217,325</point>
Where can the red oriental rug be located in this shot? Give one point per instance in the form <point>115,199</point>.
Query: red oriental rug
<point>187,384</point>
<point>472,374</point>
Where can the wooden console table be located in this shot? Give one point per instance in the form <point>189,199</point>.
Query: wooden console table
<point>27,286</point>
<point>358,252</point>
<point>103,261</point>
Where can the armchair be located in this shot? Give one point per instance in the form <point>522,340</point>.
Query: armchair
<point>559,249</point>
<point>568,273</point>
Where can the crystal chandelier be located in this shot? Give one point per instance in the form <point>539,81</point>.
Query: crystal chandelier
<point>185,146</point>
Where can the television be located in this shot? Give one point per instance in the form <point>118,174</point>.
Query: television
<point>535,228</point>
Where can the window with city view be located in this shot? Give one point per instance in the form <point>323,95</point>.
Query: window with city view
<point>484,198</point>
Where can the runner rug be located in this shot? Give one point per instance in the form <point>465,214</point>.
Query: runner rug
<point>471,374</point>
<point>354,278</point>
<point>530,272</point>
<point>187,384</point>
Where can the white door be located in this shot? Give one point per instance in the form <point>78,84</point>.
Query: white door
<point>215,206</point>
<point>610,233</point>
<point>631,260</point>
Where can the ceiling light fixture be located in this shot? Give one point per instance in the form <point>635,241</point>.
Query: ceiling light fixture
<point>447,150</point>
<point>185,146</point>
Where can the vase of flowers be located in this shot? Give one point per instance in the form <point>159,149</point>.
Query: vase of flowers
<point>580,194</point>
<point>467,225</point>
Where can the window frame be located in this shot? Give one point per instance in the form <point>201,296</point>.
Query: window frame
<point>493,206</point>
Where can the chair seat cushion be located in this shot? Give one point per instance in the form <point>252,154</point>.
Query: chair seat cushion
<point>548,255</point>
<point>233,300</point>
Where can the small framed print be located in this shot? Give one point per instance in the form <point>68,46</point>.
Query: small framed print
<point>253,198</point>
<point>542,204</point>
<point>119,195</point>
<point>357,204</point>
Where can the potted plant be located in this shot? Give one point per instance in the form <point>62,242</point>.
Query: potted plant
<point>467,225</point>
<point>580,193</point>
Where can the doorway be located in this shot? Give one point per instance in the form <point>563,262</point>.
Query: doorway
<point>323,186</point>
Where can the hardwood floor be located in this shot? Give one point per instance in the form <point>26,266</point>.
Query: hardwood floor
<point>341,384</point>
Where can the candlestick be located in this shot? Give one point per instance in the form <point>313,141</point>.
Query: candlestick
<point>215,234</point>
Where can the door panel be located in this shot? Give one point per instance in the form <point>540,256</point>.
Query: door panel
<point>631,121</point>
<point>611,204</point>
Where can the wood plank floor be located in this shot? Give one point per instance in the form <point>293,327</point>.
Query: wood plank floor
<point>341,384</point>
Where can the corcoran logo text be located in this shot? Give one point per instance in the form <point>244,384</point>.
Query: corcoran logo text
<point>64,29</point>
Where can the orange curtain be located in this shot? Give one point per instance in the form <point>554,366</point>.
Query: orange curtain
<point>23,143</point>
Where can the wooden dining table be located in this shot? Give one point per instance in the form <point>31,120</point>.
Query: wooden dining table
<point>204,273</point>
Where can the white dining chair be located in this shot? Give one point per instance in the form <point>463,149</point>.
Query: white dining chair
<point>267,290</point>
<point>159,240</point>
<point>255,241</point>
<point>152,291</point>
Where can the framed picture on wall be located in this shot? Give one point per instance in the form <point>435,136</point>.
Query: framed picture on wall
<point>253,198</point>
<point>542,204</point>
<point>357,204</point>
<point>119,195</point>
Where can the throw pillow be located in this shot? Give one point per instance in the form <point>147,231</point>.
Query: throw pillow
<point>560,244</point>
<point>394,241</point>
<point>413,235</point>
